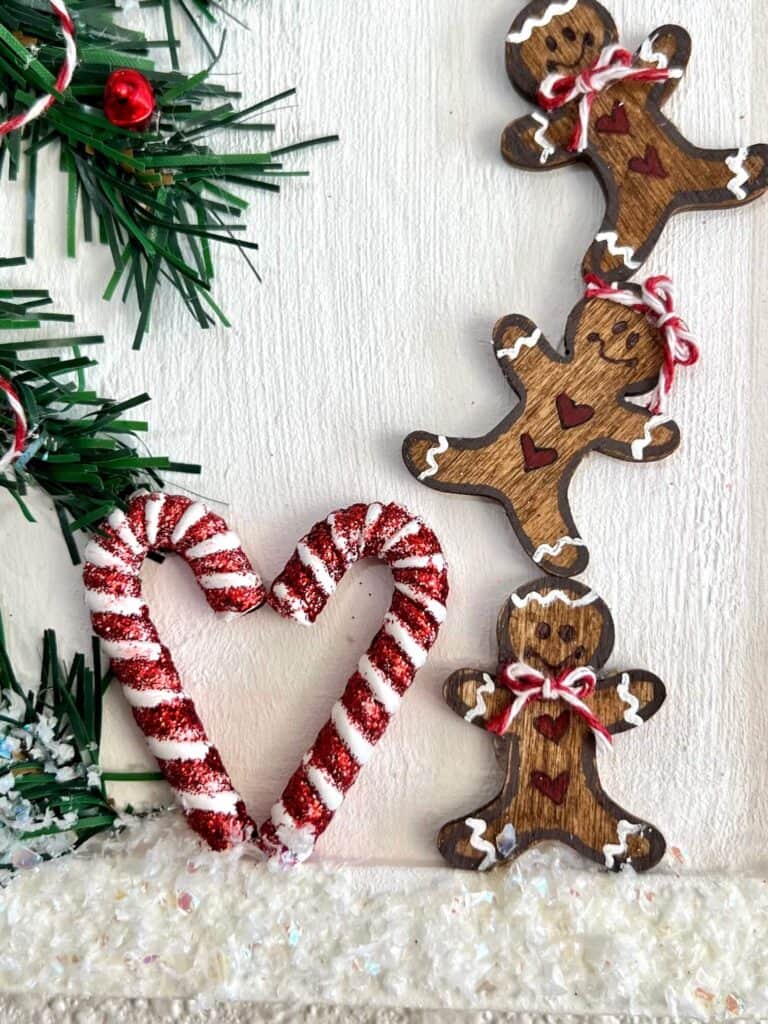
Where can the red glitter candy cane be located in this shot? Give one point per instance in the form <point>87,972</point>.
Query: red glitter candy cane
<point>374,692</point>
<point>64,77</point>
<point>164,712</point>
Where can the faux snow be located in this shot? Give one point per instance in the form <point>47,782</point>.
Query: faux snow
<point>150,913</point>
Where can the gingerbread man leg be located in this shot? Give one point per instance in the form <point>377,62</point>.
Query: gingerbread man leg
<point>487,837</point>
<point>540,515</point>
<point>625,239</point>
<point>611,836</point>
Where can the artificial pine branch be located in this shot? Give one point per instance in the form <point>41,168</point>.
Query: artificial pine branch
<point>81,448</point>
<point>52,795</point>
<point>160,198</point>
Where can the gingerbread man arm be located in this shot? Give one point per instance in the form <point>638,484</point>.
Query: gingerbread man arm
<point>521,348</point>
<point>638,436</point>
<point>627,700</point>
<point>474,695</point>
<point>666,47</point>
<point>539,141</point>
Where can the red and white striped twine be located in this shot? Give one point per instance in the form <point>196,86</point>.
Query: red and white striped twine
<point>614,64</point>
<point>64,77</point>
<point>658,306</point>
<point>19,438</point>
<point>374,692</point>
<point>572,686</point>
<point>163,711</point>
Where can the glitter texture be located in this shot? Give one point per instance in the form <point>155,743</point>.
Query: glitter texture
<point>152,913</point>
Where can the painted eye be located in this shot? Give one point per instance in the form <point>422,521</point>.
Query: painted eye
<point>567,634</point>
<point>579,653</point>
<point>551,44</point>
<point>620,327</point>
<point>633,339</point>
<point>569,34</point>
<point>594,336</point>
<point>543,631</point>
<point>589,39</point>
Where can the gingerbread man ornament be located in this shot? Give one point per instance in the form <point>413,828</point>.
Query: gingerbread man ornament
<point>550,711</point>
<point>618,343</point>
<point>602,104</point>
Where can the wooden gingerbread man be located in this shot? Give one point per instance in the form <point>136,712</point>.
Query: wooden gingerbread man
<point>602,104</point>
<point>550,710</point>
<point>570,405</point>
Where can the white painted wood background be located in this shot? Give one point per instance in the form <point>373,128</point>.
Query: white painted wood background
<point>384,273</point>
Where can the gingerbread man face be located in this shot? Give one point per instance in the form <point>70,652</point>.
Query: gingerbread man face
<point>621,338</point>
<point>562,37</point>
<point>555,628</point>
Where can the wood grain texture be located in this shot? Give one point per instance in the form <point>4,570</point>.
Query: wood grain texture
<point>570,405</point>
<point>384,274</point>
<point>648,170</point>
<point>552,788</point>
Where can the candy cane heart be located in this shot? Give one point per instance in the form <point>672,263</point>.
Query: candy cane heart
<point>374,692</point>
<point>164,712</point>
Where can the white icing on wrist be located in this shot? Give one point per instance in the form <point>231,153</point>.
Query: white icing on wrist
<point>480,707</point>
<point>736,164</point>
<point>432,467</point>
<point>625,830</point>
<point>531,341</point>
<point>642,443</point>
<point>541,138</point>
<point>478,828</point>
<point>633,704</point>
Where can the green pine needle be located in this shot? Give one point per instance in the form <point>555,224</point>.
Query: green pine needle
<point>52,789</point>
<point>81,450</point>
<point>160,198</point>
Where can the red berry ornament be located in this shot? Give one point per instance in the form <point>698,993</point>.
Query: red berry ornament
<point>129,99</point>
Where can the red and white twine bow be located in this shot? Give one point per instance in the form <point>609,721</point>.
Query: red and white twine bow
<point>19,429</point>
<point>573,686</point>
<point>614,64</point>
<point>63,78</point>
<point>658,306</point>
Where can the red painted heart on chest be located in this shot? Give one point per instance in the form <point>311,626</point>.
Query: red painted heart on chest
<point>571,413</point>
<point>553,729</point>
<point>650,165</point>
<point>535,457</point>
<point>554,789</point>
<point>615,123</point>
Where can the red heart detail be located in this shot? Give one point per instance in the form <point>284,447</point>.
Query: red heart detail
<point>166,714</point>
<point>536,458</point>
<point>615,123</point>
<point>554,789</point>
<point>650,165</point>
<point>571,414</point>
<point>553,728</point>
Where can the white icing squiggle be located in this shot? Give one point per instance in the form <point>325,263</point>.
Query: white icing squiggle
<point>545,600</point>
<point>553,550</point>
<point>633,704</point>
<point>480,708</point>
<point>541,138</point>
<point>735,164</point>
<point>529,26</point>
<point>611,852</point>
<point>626,252</point>
<point>651,56</point>
<point>440,448</point>
<point>478,827</point>
<point>512,353</point>
<point>639,446</point>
